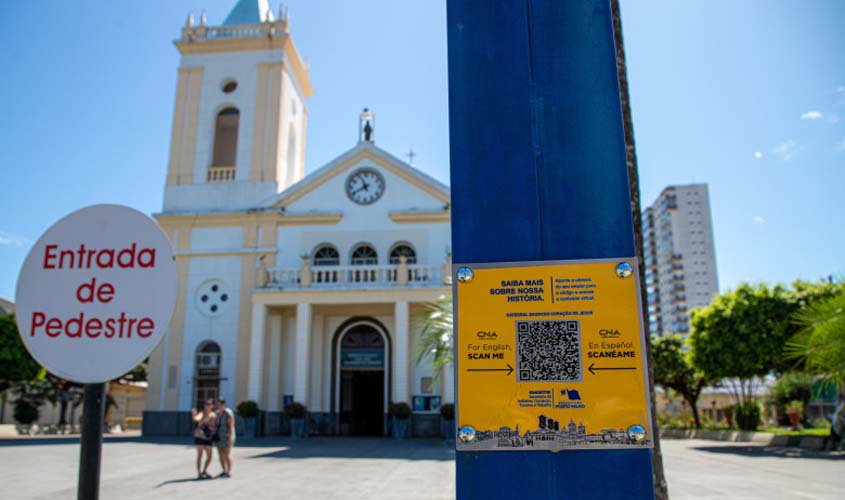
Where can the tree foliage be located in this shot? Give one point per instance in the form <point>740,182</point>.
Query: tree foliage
<point>435,342</point>
<point>674,370</point>
<point>820,343</point>
<point>741,335</point>
<point>16,365</point>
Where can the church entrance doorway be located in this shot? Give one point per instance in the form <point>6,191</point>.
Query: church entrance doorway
<point>362,381</point>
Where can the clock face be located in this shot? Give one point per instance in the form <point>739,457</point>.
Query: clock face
<point>364,186</point>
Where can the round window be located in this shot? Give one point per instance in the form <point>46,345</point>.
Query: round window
<point>229,86</point>
<point>212,297</point>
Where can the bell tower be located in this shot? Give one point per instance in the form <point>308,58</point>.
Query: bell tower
<point>239,119</point>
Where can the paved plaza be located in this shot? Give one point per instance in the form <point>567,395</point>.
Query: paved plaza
<point>349,468</point>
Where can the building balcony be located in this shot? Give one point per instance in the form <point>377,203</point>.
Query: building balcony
<point>359,277</point>
<point>221,174</point>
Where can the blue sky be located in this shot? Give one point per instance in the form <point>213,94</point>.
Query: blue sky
<point>746,96</point>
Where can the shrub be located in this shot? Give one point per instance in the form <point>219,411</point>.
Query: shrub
<point>399,411</point>
<point>25,412</point>
<point>747,415</point>
<point>447,411</point>
<point>247,409</point>
<point>295,411</point>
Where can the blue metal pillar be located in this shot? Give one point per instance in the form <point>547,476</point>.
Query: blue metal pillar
<point>538,172</point>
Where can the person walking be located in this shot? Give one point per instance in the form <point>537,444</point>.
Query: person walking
<point>837,426</point>
<point>225,437</point>
<point>206,424</point>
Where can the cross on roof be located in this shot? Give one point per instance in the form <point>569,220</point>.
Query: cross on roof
<point>411,155</point>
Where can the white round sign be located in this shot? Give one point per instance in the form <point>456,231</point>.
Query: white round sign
<point>96,293</point>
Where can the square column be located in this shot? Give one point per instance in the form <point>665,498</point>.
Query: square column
<point>400,361</point>
<point>302,356</point>
<point>449,383</point>
<point>275,362</point>
<point>256,353</point>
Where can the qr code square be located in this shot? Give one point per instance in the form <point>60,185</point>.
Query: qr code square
<point>548,351</point>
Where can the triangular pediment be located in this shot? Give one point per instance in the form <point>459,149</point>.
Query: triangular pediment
<point>362,152</point>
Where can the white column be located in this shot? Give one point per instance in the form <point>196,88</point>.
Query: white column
<point>303,345</point>
<point>275,348</point>
<point>449,383</point>
<point>256,353</point>
<point>400,360</point>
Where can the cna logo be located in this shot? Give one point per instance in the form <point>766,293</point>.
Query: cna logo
<point>571,395</point>
<point>482,335</point>
<point>570,399</point>
<point>609,333</point>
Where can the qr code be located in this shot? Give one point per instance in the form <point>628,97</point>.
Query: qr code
<point>548,351</point>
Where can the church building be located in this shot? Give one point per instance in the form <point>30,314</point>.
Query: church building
<point>292,287</point>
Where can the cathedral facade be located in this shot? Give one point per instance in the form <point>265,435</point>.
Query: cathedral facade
<point>292,288</point>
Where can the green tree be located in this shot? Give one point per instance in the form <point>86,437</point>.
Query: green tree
<point>435,343</point>
<point>16,365</point>
<point>820,343</point>
<point>674,370</point>
<point>741,335</point>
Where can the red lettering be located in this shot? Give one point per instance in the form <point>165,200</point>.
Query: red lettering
<point>74,321</point>
<point>145,327</point>
<point>109,263</point>
<point>62,255</point>
<point>49,254</point>
<point>130,254</point>
<point>92,328</point>
<point>86,289</point>
<point>54,327</point>
<point>105,293</point>
<point>38,318</point>
<point>79,326</point>
<point>109,328</point>
<point>150,253</point>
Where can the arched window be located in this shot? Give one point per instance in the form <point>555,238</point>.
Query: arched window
<point>401,249</point>
<point>326,255</point>
<point>206,373</point>
<point>364,255</point>
<point>226,138</point>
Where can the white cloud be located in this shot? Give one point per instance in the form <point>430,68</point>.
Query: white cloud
<point>786,150</point>
<point>759,219</point>
<point>811,115</point>
<point>841,145</point>
<point>10,239</point>
<point>758,154</point>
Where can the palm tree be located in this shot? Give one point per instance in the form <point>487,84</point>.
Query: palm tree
<point>434,321</point>
<point>821,341</point>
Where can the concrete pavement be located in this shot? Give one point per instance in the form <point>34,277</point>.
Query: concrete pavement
<point>380,469</point>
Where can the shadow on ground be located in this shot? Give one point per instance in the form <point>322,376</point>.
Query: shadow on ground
<point>773,451</point>
<point>376,448</point>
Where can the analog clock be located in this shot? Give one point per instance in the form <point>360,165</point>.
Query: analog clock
<point>364,186</point>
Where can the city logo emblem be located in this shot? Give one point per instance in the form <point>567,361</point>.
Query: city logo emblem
<point>570,399</point>
<point>571,394</point>
<point>482,335</point>
<point>609,334</point>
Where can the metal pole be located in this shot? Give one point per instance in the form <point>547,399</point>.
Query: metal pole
<point>91,449</point>
<point>538,173</point>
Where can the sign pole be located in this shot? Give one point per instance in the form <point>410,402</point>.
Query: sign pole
<point>538,174</point>
<point>91,449</point>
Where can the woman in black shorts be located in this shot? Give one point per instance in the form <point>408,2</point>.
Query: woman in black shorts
<point>206,421</point>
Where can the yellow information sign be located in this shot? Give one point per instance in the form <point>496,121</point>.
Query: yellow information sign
<point>550,356</point>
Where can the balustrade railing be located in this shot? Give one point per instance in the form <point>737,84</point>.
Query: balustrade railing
<point>221,174</point>
<point>365,276</point>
